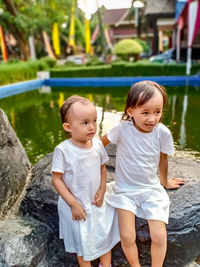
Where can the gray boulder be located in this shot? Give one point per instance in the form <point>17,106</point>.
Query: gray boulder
<point>41,198</point>
<point>24,242</point>
<point>184,224</point>
<point>14,165</point>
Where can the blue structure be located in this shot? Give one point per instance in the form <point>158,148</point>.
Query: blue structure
<point>17,88</point>
<point>180,4</point>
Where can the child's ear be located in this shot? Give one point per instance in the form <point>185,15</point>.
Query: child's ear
<point>130,112</point>
<point>67,127</point>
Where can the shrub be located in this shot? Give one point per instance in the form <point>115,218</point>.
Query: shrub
<point>49,61</point>
<point>127,48</point>
<point>94,61</point>
<point>69,64</point>
<point>120,69</point>
<point>20,71</point>
<point>143,44</point>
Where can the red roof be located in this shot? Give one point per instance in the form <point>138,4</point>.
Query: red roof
<point>111,16</point>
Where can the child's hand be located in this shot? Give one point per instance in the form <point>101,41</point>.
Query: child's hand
<point>174,183</point>
<point>78,212</point>
<point>98,198</point>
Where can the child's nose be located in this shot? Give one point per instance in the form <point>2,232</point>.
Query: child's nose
<point>91,126</point>
<point>151,118</point>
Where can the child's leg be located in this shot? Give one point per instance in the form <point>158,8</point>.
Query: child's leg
<point>83,263</point>
<point>106,259</point>
<point>128,236</point>
<point>158,235</point>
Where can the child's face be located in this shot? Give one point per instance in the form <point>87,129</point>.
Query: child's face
<point>148,115</point>
<point>82,122</point>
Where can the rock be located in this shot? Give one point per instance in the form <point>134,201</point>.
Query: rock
<point>184,224</point>
<point>14,165</point>
<point>41,198</point>
<point>23,242</point>
<point>26,242</point>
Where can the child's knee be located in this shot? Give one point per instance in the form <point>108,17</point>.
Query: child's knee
<point>159,238</point>
<point>128,238</point>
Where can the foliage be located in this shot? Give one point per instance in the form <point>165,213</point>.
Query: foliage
<point>93,61</point>
<point>144,68</point>
<point>69,64</point>
<point>31,17</point>
<point>19,71</point>
<point>127,48</point>
<point>79,32</point>
<point>95,22</point>
<point>143,44</point>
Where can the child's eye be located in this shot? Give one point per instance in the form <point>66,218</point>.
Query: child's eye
<point>158,112</point>
<point>145,112</point>
<point>85,123</point>
<point>95,121</point>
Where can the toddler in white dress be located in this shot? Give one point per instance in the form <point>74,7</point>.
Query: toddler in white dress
<point>88,225</point>
<point>143,144</point>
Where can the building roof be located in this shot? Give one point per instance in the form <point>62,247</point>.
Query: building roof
<point>112,16</point>
<point>160,7</point>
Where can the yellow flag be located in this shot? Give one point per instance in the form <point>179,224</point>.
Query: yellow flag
<point>55,38</point>
<point>87,36</point>
<point>72,26</point>
<point>3,45</point>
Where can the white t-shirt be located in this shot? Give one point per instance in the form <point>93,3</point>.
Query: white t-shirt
<point>138,153</point>
<point>137,187</point>
<point>81,170</point>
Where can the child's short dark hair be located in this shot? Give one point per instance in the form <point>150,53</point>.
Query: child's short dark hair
<point>140,93</point>
<point>66,106</point>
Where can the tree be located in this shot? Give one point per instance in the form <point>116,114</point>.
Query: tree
<point>24,18</point>
<point>9,19</point>
<point>100,42</point>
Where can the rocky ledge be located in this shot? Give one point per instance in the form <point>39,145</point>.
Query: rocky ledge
<point>184,224</point>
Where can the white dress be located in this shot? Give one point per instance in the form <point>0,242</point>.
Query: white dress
<point>81,174</point>
<point>137,187</point>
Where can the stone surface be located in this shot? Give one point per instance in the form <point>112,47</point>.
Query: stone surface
<point>41,198</point>
<point>184,224</point>
<point>23,242</point>
<point>14,165</point>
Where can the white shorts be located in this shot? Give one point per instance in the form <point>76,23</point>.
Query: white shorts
<point>148,203</point>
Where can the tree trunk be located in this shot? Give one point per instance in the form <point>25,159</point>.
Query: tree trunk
<point>18,33</point>
<point>155,40</point>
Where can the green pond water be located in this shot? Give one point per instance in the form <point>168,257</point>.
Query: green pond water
<point>35,116</point>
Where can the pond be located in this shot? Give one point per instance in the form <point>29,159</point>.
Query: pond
<point>36,120</point>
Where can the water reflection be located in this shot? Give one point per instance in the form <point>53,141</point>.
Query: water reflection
<point>182,139</point>
<point>173,106</point>
<point>36,119</point>
<point>45,90</point>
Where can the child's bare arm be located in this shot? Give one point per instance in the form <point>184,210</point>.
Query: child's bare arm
<point>99,196</point>
<point>78,212</point>
<point>104,140</point>
<point>171,183</point>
